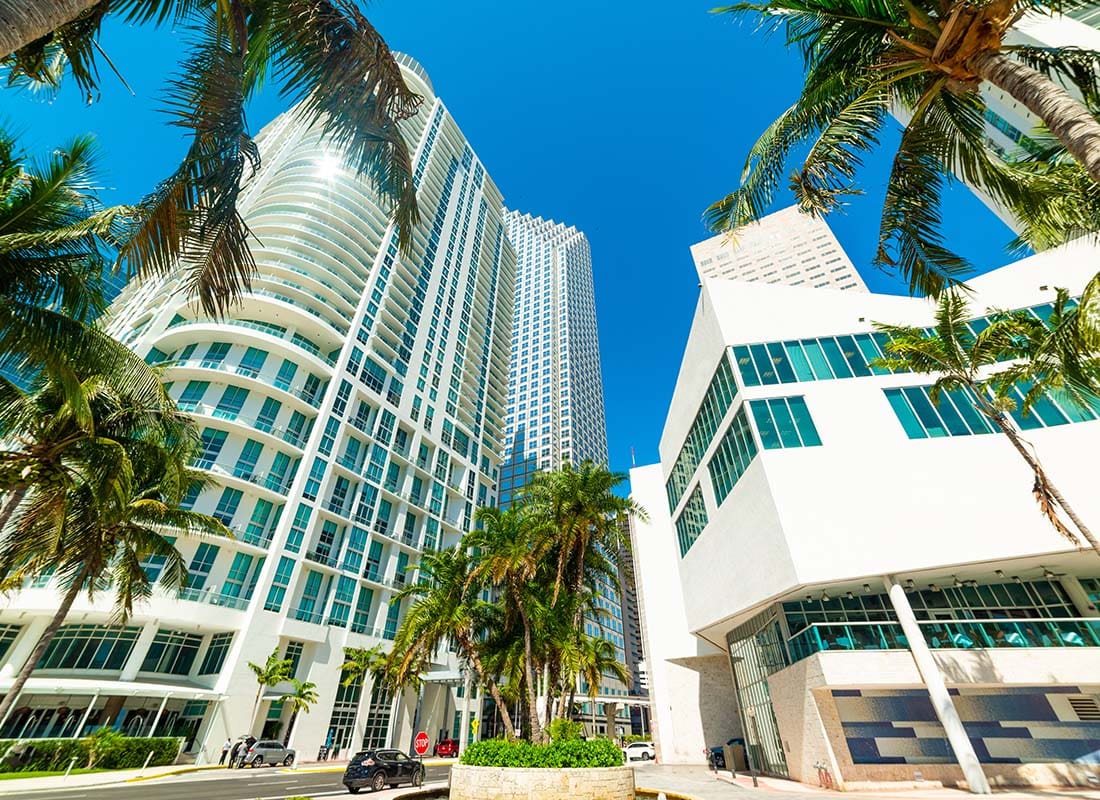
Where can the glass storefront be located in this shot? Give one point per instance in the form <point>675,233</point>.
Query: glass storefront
<point>756,650</point>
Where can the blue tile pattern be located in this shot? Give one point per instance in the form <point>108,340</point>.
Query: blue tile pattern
<point>1007,725</point>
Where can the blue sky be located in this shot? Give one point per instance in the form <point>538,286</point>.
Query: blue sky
<point>625,120</point>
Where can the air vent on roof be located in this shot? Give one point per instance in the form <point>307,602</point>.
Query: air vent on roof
<point>1086,708</point>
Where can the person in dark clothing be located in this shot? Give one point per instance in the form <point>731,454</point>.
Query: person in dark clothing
<point>233,753</point>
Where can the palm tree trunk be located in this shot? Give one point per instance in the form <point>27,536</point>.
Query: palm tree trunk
<point>1066,117</point>
<point>24,21</point>
<point>12,501</point>
<point>43,642</point>
<point>494,690</point>
<point>1044,485</point>
<point>529,677</point>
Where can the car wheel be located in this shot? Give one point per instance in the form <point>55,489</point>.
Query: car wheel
<point>353,789</point>
<point>257,762</point>
<point>288,761</point>
<point>418,778</point>
<point>378,782</point>
<point>646,756</point>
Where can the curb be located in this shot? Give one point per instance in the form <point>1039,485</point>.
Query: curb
<point>665,792</point>
<point>182,771</point>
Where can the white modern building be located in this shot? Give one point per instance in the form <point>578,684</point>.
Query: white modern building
<point>352,412</point>
<point>873,567</point>
<point>787,247</point>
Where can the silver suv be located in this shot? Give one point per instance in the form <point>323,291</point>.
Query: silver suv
<point>268,751</point>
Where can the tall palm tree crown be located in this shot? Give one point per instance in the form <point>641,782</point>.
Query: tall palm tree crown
<point>928,58</point>
<point>92,490</point>
<point>1015,351</point>
<point>326,57</point>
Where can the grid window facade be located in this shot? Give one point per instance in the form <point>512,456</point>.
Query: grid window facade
<point>216,652</point>
<point>89,647</point>
<point>717,401</point>
<point>172,653</point>
<point>692,520</point>
<point>736,450</point>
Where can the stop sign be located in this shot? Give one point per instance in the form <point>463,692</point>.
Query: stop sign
<point>421,742</point>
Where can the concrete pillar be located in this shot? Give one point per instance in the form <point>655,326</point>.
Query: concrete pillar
<point>361,711</point>
<point>21,650</point>
<point>937,689</point>
<point>160,712</point>
<point>141,649</point>
<point>464,719</point>
<point>1079,596</point>
<point>87,713</point>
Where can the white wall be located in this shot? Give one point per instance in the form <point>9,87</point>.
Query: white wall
<point>690,684</point>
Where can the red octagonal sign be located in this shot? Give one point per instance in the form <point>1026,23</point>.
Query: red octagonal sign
<point>421,743</point>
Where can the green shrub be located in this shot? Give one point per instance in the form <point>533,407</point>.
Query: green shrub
<point>564,730</point>
<point>104,749</point>
<point>637,737</point>
<point>556,755</point>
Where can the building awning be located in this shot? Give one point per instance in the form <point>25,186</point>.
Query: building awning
<point>110,688</point>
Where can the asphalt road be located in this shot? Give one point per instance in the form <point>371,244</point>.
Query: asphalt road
<point>246,784</point>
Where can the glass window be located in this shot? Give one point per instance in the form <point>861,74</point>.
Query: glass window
<point>924,410</point>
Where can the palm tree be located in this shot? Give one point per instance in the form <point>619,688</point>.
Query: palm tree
<point>273,671</point>
<point>302,695</point>
<point>361,663</point>
<point>325,54</point>
<point>55,239</point>
<point>510,547</point>
<point>597,658</point>
<point>585,514</point>
<point>864,60</point>
<point>1048,358</point>
<point>445,609</point>
<point>95,502</point>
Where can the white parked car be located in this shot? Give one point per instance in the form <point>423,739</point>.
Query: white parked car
<point>642,750</point>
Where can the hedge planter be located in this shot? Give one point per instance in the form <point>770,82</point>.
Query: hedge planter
<point>541,783</point>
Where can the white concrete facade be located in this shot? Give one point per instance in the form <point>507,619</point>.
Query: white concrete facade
<point>352,410</point>
<point>806,494</point>
<point>787,247</point>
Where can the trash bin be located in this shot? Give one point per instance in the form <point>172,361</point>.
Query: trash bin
<point>735,758</point>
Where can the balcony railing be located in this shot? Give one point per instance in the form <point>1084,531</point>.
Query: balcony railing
<point>213,598</point>
<point>303,614</point>
<point>947,635</point>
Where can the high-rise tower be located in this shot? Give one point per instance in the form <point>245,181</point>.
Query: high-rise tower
<point>351,409</point>
<point>555,391</point>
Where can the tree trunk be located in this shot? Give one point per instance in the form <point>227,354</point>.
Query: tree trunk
<point>1066,117</point>
<point>11,502</point>
<point>256,707</point>
<point>1044,483</point>
<point>494,690</point>
<point>43,642</point>
<point>529,677</point>
<point>24,21</point>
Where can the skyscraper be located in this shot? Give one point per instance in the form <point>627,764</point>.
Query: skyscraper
<point>786,247</point>
<point>351,409</point>
<point>555,392</point>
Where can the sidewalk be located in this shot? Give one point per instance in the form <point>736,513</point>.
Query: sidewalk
<point>699,783</point>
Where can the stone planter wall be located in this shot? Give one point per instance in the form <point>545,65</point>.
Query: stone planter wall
<point>506,783</point>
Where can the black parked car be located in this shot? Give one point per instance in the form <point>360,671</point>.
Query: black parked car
<point>380,768</point>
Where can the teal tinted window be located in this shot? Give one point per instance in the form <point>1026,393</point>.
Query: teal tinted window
<point>277,593</point>
<point>231,403</point>
<point>716,402</point>
<point>784,422</point>
<point>270,411</point>
<point>905,415</point>
<point>692,521</point>
<point>732,458</point>
<point>921,404</point>
<point>836,359</point>
<point>744,363</point>
<point>252,362</point>
<point>799,362</point>
<point>192,395</point>
<point>780,363</point>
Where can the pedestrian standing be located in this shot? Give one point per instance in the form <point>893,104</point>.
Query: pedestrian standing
<point>225,751</point>
<point>233,753</point>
